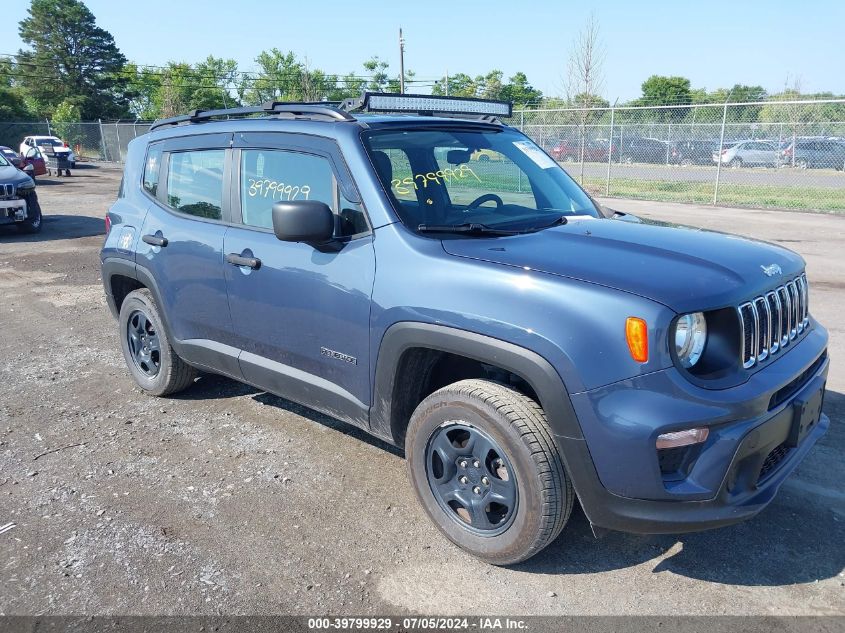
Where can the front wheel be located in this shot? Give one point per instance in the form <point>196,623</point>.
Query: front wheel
<point>486,469</point>
<point>32,223</point>
<point>151,360</point>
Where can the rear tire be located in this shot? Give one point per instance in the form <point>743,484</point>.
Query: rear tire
<point>736,163</point>
<point>497,440</point>
<point>151,360</point>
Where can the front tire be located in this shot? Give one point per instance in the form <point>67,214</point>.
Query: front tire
<point>33,221</point>
<point>151,360</point>
<point>485,467</point>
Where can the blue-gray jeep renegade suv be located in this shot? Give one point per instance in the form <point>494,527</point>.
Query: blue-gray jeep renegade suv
<point>412,266</point>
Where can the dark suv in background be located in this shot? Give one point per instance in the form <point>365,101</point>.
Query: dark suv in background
<point>814,154</point>
<point>522,344</point>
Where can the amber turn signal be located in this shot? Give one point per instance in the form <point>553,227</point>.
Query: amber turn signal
<point>636,333</point>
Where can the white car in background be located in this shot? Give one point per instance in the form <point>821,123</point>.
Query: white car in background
<point>748,154</point>
<point>54,142</point>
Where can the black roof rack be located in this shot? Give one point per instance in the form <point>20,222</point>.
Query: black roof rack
<point>314,109</point>
<point>453,107</point>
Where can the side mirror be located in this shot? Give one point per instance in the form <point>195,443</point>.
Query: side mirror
<point>308,221</point>
<point>31,152</point>
<point>29,168</point>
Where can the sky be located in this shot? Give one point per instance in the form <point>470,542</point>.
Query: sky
<point>716,44</point>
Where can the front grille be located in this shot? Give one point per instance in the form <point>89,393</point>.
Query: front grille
<point>769,322</point>
<point>774,458</point>
<point>7,191</point>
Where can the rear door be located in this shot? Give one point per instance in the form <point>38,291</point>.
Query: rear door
<point>301,315</point>
<point>182,245</point>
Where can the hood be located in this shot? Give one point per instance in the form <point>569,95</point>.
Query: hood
<point>11,175</point>
<point>684,268</point>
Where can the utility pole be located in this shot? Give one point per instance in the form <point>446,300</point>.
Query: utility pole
<point>401,62</point>
<point>447,87</point>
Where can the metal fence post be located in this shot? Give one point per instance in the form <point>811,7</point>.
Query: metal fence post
<point>609,151</point>
<point>49,130</point>
<point>719,156</point>
<point>103,141</point>
<point>117,133</point>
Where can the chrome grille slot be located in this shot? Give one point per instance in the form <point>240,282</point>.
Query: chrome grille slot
<point>748,321</point>
<point>777,317</point>
<point>793,310</point>
<point>785,312</point>
<point>764,327</point>
<point>769,322</point>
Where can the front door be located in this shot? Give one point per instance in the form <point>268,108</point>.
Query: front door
<point>300,312</point>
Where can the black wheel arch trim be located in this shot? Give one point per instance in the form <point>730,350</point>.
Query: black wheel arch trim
<point>533,368</point>
<point>112,266</point>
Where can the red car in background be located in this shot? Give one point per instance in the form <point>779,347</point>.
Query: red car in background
<point>569,151</point>
<point>33,157</point>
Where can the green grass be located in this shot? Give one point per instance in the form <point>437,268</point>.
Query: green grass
<point>497,178</point>
<point>817,199</point>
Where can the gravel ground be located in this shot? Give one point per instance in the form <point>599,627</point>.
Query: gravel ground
<point>226,500</point>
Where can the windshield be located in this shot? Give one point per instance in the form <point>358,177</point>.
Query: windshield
<point>456,177</point>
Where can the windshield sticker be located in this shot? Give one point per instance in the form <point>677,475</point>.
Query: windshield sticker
<point>404,186</point>
<point>262,188</point>
<point>535,154</point>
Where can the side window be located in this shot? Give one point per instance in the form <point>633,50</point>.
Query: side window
<point>271,175</point>
<point>195,183</point>
<point>268,176</point>
<point>151,168</point>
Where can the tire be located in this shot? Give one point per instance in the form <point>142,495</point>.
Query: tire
<point>736,163</point>
<point>802,163</point>
<point>33,221</point>
<point>151,360</point>
<point>514,450</point>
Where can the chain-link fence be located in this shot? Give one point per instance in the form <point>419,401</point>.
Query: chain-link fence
<point>787,154</point>
<point>90,141</point>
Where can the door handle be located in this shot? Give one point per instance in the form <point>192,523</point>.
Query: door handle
<point>238,260</point>
<point>155,240</point>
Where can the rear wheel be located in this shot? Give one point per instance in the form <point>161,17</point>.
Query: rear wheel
<point>487,471</point>
<point>151,360</point>
<point>736,163</point>
<point>801,163</point>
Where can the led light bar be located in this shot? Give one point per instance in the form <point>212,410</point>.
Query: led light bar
<point>389,102</point>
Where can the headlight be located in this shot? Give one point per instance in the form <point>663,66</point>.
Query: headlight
<point>690,337</point>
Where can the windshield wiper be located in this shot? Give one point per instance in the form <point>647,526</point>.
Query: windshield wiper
<point>560,221</point>
<point>471,228</point>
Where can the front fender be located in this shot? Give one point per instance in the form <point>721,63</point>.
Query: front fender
<point>530,366</point>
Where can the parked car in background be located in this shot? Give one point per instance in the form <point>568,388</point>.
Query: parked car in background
<point>569,151</point>
<point>18,201</point>
<point>55,144</point>
<point>11,155</point>
<point>748,154</point>
<point>647,150</point>
<point>485,155</point>
<point>35,158</point>
<point>814,154</point>
<point>696,152</point>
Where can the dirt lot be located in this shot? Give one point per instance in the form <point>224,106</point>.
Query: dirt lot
<point>227,500</point>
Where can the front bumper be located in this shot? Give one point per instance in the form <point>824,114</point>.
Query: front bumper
<point>737,472</point>
<point>12,211</point>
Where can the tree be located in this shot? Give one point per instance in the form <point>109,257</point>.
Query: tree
<point>457,85</point>
<point>71,58</point>
<point>520,91</point>
<point>584,78</point>
<point>12,104</point>
<point>66,120</point>
<point>660,90</point>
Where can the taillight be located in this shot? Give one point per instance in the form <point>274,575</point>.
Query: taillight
<point>108,223</point>
<point>724,151</point>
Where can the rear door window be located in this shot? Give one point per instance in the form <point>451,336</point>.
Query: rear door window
<point>195,183</point>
